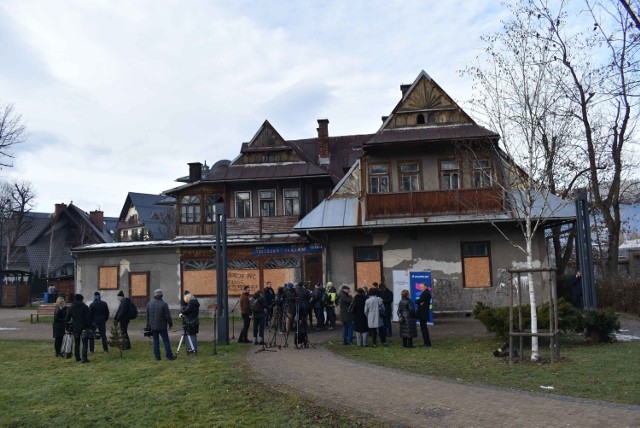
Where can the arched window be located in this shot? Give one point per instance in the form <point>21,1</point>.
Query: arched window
<point>420,119</point>
<point>431,118</point>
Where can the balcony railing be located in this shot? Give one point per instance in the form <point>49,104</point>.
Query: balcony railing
<point>429,203</point>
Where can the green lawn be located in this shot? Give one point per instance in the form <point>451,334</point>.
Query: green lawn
<point>204,390</point>
<point>607,372</point>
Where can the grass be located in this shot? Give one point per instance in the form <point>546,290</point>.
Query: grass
<point>607,372</point>
<point>204,390</point>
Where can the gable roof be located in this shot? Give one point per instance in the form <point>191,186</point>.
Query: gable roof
<point>152,211</point>
<point>442,119</point>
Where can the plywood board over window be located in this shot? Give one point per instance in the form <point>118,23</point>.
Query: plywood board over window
<point>108,278</point>
<point>139,282</point>
<point>476,261</point>
<point>237,279</point>
<point>199,282</point>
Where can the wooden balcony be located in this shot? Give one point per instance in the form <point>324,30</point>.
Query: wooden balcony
<point>261,225</point>
<point>419,204</point>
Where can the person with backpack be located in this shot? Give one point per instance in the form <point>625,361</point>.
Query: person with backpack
<point>245,312</point>
<point>318,306</point>
<point>80,316</point>
<point>123,318</point>
<point>330,305</point>
<point>344,302</point>
<point>257,305</point>
<point>158,318</point>
<point>99,316</point>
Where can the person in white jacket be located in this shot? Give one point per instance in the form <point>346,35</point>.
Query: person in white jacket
<point>374,310</point>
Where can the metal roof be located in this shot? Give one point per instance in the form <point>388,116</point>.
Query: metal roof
<point>430,133</point>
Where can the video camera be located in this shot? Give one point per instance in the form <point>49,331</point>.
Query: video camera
<point>146,332</point>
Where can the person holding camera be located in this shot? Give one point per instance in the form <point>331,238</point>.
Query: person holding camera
<point>158,318</point>
<point>189,314</point>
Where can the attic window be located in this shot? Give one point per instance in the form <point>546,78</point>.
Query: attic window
<point>420,119</point>
<point>432,118</point>
<point>268,158</point>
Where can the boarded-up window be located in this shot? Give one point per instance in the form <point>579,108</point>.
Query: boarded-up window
<point>368,265</point>
<point>108,277</point>
<point>476,262</point>
<point>240,273</point>
<point>139,282</point>
<point>199,277</point>
<point>280,270</point>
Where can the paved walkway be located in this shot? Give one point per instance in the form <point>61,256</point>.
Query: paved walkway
<point>392,396</point>
<point>404,399</point>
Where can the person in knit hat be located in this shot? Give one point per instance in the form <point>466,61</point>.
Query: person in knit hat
<point>158,318</point>
<point>99,316</point>
<point>122,318</point>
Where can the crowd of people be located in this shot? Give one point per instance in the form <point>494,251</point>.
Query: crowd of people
<point>367,313</point>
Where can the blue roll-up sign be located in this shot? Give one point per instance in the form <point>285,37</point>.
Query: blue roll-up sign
<point>416,279</point>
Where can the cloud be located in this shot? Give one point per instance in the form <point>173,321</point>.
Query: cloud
<point>120,95</point>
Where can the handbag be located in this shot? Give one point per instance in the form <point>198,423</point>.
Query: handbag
<point>381,310</point>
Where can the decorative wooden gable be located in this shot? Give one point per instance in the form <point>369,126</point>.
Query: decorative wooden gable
<point>425,103</point>
<point>267,146</point>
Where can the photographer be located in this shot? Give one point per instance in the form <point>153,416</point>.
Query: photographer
<point>258,314</point>
<point>189,314</point>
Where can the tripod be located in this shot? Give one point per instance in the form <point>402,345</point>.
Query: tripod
<point>276,328</point>
<point>301,339</point>
<point>189,343</point>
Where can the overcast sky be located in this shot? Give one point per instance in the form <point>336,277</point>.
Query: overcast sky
<point>118,96</point>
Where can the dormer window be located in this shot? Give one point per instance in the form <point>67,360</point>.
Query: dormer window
<point>420,119</point>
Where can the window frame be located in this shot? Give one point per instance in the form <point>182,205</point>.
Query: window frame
<point>271,201</point>
<point>371,176</point>
<point>402,175</point>
<point>447,174</point>
<point>235,204</point>
<point>485,174</point>
<point>190,211</point>
<point>465,257</point>
<point>286,198</point>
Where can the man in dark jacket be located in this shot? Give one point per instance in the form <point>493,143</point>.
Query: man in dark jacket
<point>122,317</point>
<point>269,301</point>
<point>245,312</point>
<point>158,317</point>
<point>80,316</point>
<point>344,303</point>
<point>387,300</point>
<point>99,316</point>
<point>318,306</point>
<point>424,303</point>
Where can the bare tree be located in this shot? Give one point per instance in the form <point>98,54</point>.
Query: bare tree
<point>600,60</point>
<point>12,132</point>
<point>17,199</point>
<point>516,95</point>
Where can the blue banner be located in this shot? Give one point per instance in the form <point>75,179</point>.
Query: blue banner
<point>416,279</point>
<point>265,250</point>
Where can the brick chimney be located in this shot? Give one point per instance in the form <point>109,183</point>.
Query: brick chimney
<point>59,209</point>
<point>195,172</point>
<point>404,88</point>
<point>97,218</point>
<point>323,138</point>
